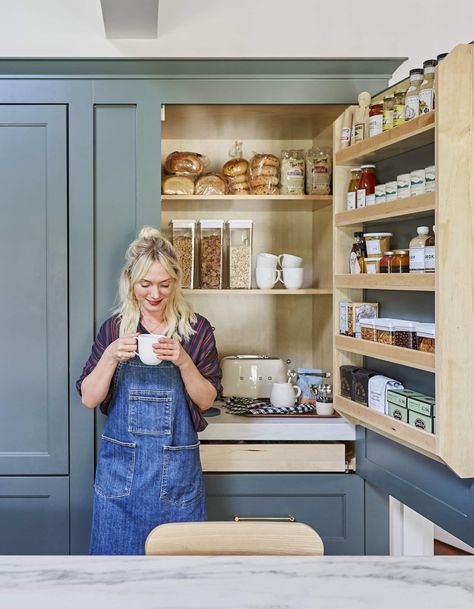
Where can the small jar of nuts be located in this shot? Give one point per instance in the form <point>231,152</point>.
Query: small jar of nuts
<point>183,239</point>
<point>240,253</point>
<point>211,234</point>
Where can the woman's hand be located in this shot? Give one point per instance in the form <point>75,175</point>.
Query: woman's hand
<point>170,349</point>
<point>124,348</point>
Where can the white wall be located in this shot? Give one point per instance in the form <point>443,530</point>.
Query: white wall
<point>248,28</point>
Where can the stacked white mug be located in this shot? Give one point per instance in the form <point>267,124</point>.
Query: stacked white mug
<point>291,271</point>
<point>266,272</point>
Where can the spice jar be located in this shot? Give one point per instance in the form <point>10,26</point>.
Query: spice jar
<point>210,253</point>
<point>401,261</point>
<point>388,104</point>
<point>386,262</point>
<point>399,107</point>
<point>182,237</point>
<point>351,198</point>
<point>376,119</point>
<point>366,187</point>
<point>240,253</point>
<point>426,337</point>
<point>405,335</point>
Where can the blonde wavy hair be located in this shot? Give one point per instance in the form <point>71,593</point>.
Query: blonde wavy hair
<point>149,247</point>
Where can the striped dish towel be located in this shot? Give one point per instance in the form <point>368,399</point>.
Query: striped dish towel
<point>235,405</point>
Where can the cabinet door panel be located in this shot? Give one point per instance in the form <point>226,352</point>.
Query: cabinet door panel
<point>33,305</point>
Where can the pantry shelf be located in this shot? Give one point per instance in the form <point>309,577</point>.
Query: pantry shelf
<point>397,355</point>
<point>405,209</point>
<point>387,426</point>
<point>251,203</point>
<point>414,282</point>
<point>273,292</point>
<point>413,134</point>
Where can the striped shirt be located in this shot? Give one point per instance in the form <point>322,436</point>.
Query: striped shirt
<point>201,347</point>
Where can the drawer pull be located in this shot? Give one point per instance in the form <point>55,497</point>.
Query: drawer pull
<point>288,518</point>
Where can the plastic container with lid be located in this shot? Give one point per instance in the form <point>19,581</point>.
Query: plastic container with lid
<point>399,107</point>
<point>351,199</point>
<point>372,265</point>
<point>385,330</point>
<point>426,337</point>
<point>380,193</point>
<point>388,104</point>
<point>403,186</point>
<point>367,329</point>
<point>240,253</point>
<point>377,243</point>
<point>386,262</point>
<point>366,186</point>
<point>412,99</point>
<point>391,191</point>
<point>405,334</point>
<point>211,241</point>
<point>376,119</point>
<point>400,261</point>
<point>183,239</point>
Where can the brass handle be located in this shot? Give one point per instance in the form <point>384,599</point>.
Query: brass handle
<point>288,518</point>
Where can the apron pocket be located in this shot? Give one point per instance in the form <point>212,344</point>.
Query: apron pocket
<point>149,412</point>
<point>115,468</point>
<point>181,477</point>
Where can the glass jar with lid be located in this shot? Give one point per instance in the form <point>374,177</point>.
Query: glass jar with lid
<point>427,86</point>
<point>351,202</point>
<point>366,186</point>
<point>211,241</point>
<point>412,99</point>
<point>183,239</point>
<point>375,119</point>
<point>399,107</point>
<point>386,262</point>
<point>388,104</point>
<point>240,253</point>
<point>401,261</point>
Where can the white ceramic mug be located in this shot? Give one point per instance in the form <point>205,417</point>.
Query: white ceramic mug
<point>324,408</point>
<point>267,261</point>
<point>284,395</point>
<point>266,278</point>
<point>292,278</point>
<point>145,352</point>
<point>288,261</point>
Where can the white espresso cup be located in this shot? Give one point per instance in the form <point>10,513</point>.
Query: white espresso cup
<point>288,261</point>
<point>267,261</point>
<point>266,278</point>
<point>284,395</point>
<point>145,352</point>
<point>292,278</point>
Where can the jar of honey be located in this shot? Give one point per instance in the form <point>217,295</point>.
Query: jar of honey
<point>401,261</point>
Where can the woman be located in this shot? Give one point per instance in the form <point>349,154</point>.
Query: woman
<point>148,469</point>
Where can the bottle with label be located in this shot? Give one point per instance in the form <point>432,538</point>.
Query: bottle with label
<point>346,128</point>
<point>427,86</point>
<point>357,255</point>
<point>360,119</point>
<point>351,202</point>
<point>366,187</point>
<point>399,107</point>
<point>417,250</point>
<point>376,119</point>
<point>430,253</point>
<point>412,99</point>
<point>388,103</point>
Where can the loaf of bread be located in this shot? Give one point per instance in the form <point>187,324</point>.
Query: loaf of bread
<point>210,184</point>
<point>178,185</point>
<point>264,174</point>
<point>184,163</point>
<point>235,167</point>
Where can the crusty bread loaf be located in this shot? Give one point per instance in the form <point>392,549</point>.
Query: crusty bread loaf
<point>235,167</point>
<point>178,185</point>
<point>184,163</point>
<point>210,184</point>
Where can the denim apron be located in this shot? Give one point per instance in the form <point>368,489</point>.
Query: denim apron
<point>148,469</point>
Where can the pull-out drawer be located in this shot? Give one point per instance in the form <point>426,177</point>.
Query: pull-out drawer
<point>328,457</point>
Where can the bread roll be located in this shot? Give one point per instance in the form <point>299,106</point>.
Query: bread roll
<point>264,159</point>
<point>238,179</point>
<point>241,187</point>
<point>264,181</point>
<point>265,190</point>
<point>265,170</point>
<point>178,185</point>
<point>210,184</point>
<point>184,163</point>
<point>235,167</point>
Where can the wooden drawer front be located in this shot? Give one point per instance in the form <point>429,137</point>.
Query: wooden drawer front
<point>273,457</point>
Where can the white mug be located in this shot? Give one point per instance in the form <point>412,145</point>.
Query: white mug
<point>266,278</point>
<point>292,278</point>
<point>288,261</point>
<point>324,408</point>
<point>145,352</point>
<point>267,261</point>
<point>283,394</point>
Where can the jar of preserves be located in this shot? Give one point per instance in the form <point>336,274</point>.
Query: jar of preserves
<point>388,105</point>
<point>183,239</point>
<point>399,107</point>
<point>210,253</point>
<point>240,253</point>
<point>366,186</point>
<point>401,261</point>
<point>351,199</point>
<point>386,262</point>
<point>376,119</point>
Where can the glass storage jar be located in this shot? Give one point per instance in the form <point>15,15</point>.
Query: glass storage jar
<point>240,253</point>
<point>401,261</point>
<point>210,253</point>
<point>183,239</point>
<point>405,335</point>
<point>386,262</point>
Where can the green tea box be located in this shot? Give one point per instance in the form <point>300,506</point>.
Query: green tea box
<point>423,404</point>
<point>400,396</point>
<point>421,421</point>
<point>398,412</point>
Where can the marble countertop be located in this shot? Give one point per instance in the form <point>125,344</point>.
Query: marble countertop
<point>83,582</point>
<point>234,427</point>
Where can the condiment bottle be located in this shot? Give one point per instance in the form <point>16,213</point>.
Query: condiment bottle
<point>400,261</point>
<point>376,119</point>
<point>351,200</point>
<point>386,262</point>
<point>430,253</point>
<point>357,255</point>
<point>366,185</point>
<point>399,107</point>
<point>388,102</point>
<point>417,250</point>
<point>346,128</point>
<point>360,119</point>
<point>412,99</point>
<point>427,86</point>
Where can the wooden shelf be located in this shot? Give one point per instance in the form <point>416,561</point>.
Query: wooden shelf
<point>409,136</point>
<point>387,426</point>
<point>398,355</point>
<point>404,209</point>
<point>412,282</point>
<point>273,292</point>
<point>252,203</point>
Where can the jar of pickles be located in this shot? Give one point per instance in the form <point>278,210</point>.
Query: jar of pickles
<point>210,253</point>
<point>386,262</point>
<point>182,237</point>
<point>240,253</point>
<point>401,261</point>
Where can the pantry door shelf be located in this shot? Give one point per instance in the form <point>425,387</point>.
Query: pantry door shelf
<point>412,282</point>
<point>251,203</point>
<point>257,291</point>
<point>413,134</point>
<point>405,209</point>
<point>397,355</point>
<point>387,426</point>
